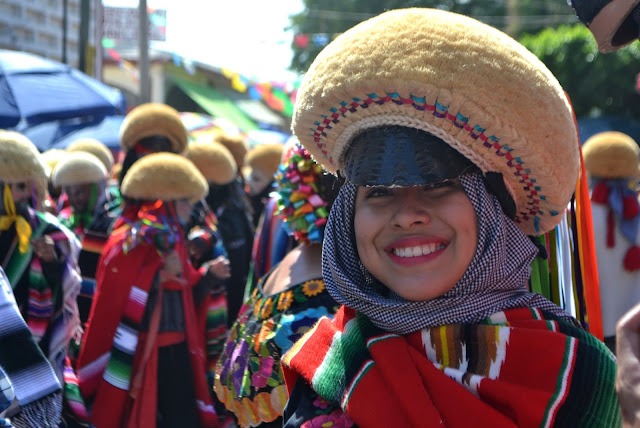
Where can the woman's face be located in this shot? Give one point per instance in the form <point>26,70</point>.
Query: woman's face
<point>79,196</point>
<point>417,241</point>
<point>257,182</point>
<point>21,193</point>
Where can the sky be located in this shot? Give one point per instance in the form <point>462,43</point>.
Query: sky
<point>244,36</point>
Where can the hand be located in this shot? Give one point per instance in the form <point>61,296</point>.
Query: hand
<point>628,373</point>
<point>172,264</point>
<point>220,267</point>
<point>44,248</point>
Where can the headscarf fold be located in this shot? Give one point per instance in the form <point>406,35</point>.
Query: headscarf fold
<point>23,228</point>
<point>495,280</point>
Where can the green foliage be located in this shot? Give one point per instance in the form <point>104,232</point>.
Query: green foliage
<point>334,17</point>
<point>596,83</point>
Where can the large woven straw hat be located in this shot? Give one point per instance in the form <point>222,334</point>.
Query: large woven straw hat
<point>265,158</point>
<point>165,176</point>
<point>214,161</point>
<point>51,158</point>
<point>235,144</point>
<point>96,148</point>
<point>611,155</point>
<point>151,119</point>
<point>20,160</point>
<point>78,168</point>
<point>465,82</point>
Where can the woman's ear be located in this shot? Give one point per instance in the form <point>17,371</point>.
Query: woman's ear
<point>495,185</point>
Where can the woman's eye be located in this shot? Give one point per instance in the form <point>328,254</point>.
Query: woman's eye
<point>377,192</point>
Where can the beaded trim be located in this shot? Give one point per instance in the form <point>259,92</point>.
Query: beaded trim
<point>524,175</point>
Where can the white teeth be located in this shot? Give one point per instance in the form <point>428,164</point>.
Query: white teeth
<point>417,251</point>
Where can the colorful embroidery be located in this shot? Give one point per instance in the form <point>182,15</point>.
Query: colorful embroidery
<point>249,378</point>
<point>529,183</point>
<point>313,287</point>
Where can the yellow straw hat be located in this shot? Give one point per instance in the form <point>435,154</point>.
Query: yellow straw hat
<point>265,158</point>
<point>96,148</point>
<point>51,158</point>
<point>235,144</point>
<point>214,161</point>
<point>611,155</point>
<point>78,168</point>
<point>465,82</point>
<point>165,176</point>
<point>151,119</point>
<point>20,160</point>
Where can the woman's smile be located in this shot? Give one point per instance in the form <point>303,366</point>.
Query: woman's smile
<point>418,241</point>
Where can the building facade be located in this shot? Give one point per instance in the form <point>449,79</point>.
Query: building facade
<point>36,26</point>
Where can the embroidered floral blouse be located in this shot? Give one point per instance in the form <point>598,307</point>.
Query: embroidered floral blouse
<point>249,378</point>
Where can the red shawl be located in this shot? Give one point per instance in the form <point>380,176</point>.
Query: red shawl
<point>521,367</point>
<point>123,281</point>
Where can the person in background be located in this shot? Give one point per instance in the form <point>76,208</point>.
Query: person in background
<point>611,161</point>
<point>434,119</point>
<point>150,128</point>
<point>142,360</point>
<point>25,373</point>
<point>286,302</point>
<point>237,146</point>
<point>112,196</point>
<point>206,242</point>
<point>262,163</point>
<point>38,254</point>
<point>82,178</point>
<point>232,212</point>
<point>51,158</point>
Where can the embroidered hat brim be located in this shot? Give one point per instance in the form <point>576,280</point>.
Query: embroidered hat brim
<point>465,82</point>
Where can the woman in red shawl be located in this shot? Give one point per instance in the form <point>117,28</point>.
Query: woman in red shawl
<point>142,361</point>
<point>456,143</point>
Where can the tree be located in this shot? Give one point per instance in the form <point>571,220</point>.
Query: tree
<point>323,19</point>
<point>596,83</point>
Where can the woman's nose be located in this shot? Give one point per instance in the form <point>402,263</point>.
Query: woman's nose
<point>411,210</point>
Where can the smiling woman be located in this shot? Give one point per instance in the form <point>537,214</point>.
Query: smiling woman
<point>434,119</point>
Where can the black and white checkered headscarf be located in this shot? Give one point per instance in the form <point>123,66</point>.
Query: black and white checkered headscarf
<point>495,280</point>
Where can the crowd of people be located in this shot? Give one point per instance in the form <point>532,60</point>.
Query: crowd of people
<point>374,271</point>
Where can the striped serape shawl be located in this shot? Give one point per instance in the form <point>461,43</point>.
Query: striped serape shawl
<point>521,367</point>
<point>25,373</point>
<point>117,365</point>
<point>51,309</point>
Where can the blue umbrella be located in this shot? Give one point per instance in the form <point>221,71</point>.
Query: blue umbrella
<point>106,131</point>
<point>34,90</point>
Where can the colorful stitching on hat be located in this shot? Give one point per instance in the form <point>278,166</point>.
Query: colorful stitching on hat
<point>459,121</point>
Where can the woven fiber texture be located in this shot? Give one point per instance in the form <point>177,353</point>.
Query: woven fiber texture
<point>467,83</point>
<point>20,160</point>
<point>214,161</point>
<point>164,176</point>
<point>151,119</point>
<point>265,158</point>
<point>51,158</point>
<point>235,144</point>
<point>611,155</point>
<point>78,168</point>
<point>96,148</point>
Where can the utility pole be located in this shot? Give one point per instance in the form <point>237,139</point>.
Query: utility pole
<point>65,16</point>
<point>143,61</point>
<point>83,39</point>
<point>98,20</point>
